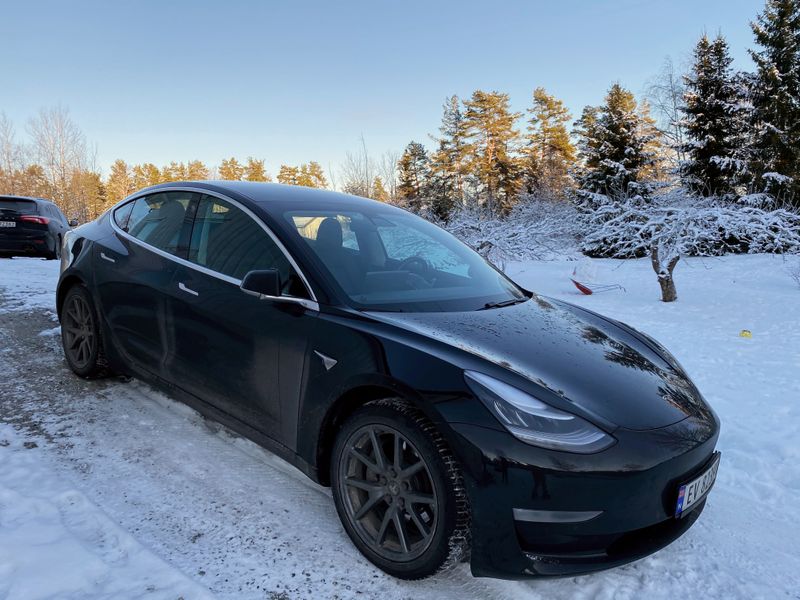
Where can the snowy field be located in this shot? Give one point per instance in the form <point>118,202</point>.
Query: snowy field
<point>111,490</point>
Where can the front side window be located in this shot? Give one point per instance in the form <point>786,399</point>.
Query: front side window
<point>387,259</point>
<point>159,220</point>
<point>229,241</point>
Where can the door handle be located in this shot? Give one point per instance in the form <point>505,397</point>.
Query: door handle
<point>182,287</point>
<point>104,256</point>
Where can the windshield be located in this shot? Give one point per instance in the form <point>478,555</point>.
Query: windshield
<point>390,260</point>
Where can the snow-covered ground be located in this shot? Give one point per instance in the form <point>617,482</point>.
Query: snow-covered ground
<point>111,490</point>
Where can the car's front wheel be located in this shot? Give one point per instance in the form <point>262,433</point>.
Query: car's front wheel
<point>399,491</point>
<point>80,334</point>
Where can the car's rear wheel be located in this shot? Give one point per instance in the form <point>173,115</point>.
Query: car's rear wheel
<point>399,491</point>
<point>80,334</point>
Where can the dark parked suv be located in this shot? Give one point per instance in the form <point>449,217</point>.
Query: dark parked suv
<point>31,227</point>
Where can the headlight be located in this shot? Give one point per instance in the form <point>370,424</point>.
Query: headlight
<point>535,422</point>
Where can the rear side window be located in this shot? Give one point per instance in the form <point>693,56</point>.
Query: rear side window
<point>227,240</point>
<point>18,207</point>
<point>161,220</point>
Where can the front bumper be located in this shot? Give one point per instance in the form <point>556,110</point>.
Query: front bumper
<point>624,498</point>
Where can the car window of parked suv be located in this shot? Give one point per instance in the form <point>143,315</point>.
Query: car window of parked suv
<point>227,240</point>
<point>159,220</point>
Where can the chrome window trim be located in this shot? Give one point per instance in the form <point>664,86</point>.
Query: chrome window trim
<point>311,304</point>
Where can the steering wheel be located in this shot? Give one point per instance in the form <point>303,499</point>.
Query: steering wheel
<point>415,264</point>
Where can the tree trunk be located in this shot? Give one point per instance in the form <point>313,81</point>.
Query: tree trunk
<point>665,280</point>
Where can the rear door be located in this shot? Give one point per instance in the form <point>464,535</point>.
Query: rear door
<point>134,269</point>
<point>243,354</point>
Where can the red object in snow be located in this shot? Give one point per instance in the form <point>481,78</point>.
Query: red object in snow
<point>582,288</point>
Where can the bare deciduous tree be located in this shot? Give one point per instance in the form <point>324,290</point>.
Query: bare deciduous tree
<point>59,146</point>
<point>12,157</point>
<point>358,172</point>
<point>664,93</point>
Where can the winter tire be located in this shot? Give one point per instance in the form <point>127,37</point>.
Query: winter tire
<point>399,491</point>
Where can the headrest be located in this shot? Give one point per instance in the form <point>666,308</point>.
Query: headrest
<point>329,234</point>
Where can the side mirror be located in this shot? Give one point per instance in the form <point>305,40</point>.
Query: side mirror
<point>73,223</point>
<point>263,283</point>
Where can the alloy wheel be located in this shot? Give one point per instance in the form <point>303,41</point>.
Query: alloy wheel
<point>78,331</point>
<point>388,492</point>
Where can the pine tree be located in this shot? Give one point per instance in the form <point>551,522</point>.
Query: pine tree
<point>775,160</point>
<point>231,170</point>
<point>120,183</point>
<point>491,134</point>
<point>312,175</point>
<point>549,153</point>
<point>174,171</point>
<point>448,163</point>
<point>413,174</point>
<point>288,175</point>
<point>618,146</point>
<point>196,170</point>
<point>254,170</point>
<point>145,175</point>
<point>379,190</point>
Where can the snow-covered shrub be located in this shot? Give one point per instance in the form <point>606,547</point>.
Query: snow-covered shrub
<point>536,228</point>
<point>672,225</point>
<point>624,228</point>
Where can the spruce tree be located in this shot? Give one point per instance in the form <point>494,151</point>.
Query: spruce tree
<point>448,163</point>
<point>549,153</point>
<point>775,158</point>
<point>714,121</point>
<point>491,140</point>
<point>618,146</point>
<point>413,174</point>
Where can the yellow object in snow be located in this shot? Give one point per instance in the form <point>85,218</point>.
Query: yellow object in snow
<point>745,333</point>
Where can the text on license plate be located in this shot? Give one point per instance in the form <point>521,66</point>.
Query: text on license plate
<point>8,224</point>
<point>689,494</point>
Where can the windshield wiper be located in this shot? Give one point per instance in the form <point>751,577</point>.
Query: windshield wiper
<point>503,303</point>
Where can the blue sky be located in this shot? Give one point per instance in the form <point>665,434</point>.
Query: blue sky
<point>296,81</point>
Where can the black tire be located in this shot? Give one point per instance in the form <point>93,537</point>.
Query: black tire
<point>432,499</point>
<point>81,336</point>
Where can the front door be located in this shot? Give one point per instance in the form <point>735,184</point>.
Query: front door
<point>240,353</point>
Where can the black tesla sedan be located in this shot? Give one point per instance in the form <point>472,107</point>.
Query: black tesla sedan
<point>455,415</point>
<point>31,227</point>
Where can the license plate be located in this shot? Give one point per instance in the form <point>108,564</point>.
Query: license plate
<point>691,493</point>
<point>8,224</point>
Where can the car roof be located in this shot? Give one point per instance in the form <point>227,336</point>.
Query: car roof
<point>265,194</point>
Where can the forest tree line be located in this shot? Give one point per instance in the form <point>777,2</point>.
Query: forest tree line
<point>712,131</point>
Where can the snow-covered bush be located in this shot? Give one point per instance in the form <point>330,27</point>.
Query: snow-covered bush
<point>672,225</point>
<point>536,228</point>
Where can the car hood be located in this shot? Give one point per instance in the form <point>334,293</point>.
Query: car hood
<point>602,366</point>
